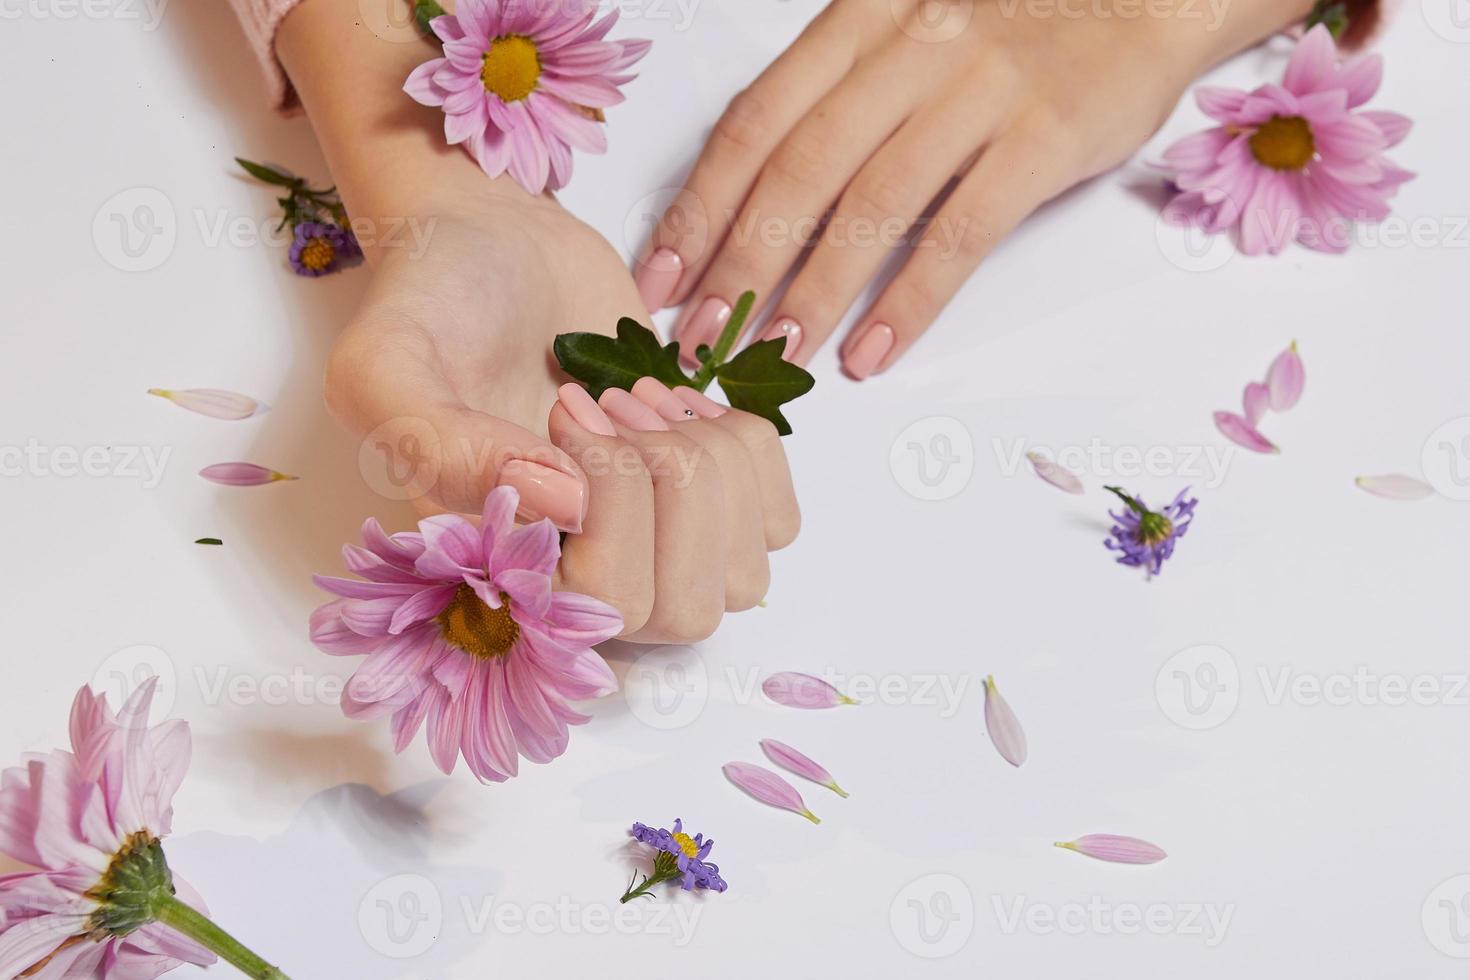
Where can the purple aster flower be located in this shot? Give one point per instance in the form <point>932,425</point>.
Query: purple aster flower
<point>1144,537</point>
<point>680,856</point>
<point>320,247</point>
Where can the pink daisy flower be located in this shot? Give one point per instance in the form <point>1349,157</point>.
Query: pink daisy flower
<point>90,820</point>
<point>462,630</point>
<point>524,82</point>
<point>1293,160</point>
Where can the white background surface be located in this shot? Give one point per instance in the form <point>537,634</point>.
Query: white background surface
<point>1324,831</point>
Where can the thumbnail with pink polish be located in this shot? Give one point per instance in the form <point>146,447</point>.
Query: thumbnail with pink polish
<point>657,276</point>
<point>629,411</point>
<point>703,327</point>
<point>704,406</point>
<point>584,410</point>
<point>546,492</point>
<point>869,352</point>
<point>657,396</point>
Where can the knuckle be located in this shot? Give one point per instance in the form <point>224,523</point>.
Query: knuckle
<point>630,595</point>
<point>743,124</point>
<point>746,588</point>
<point>802,159</point>
<point>782,529</point>
<point>690,619</point>
<point>879,194</point>
<point>917,295</point>
<point>972,239</point>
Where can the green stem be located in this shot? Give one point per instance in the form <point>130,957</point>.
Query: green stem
<point>192,923</point>
<point>665,868</point>
<point>425,11</point>
<point>723,346</point>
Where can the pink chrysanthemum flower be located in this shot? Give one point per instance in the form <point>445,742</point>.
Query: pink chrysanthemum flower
<point>462,629</point>
<point>524,82</point>
<point>1292,160</point>
<point>90,820</point>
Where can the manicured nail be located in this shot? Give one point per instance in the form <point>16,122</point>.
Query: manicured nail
<point>657,277</point>
<point>657,396</point>
<point>791,330</point>
<point>584,410</point>
<point>869,352</point>
<point>546,492</point>
<point>629,411</point>
<point>703,327</point>
<point>704,406</point>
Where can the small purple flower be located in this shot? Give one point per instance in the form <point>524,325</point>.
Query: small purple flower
<point>1146,538</point>
<point>680,856</point>
<point>320,247</point>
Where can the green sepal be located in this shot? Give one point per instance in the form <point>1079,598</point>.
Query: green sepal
<point>425,11</point>
<point>268,175</point>
<point>1330,13</point>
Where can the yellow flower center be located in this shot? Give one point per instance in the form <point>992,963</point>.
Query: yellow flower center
<point>511,68</point>
<point>1284,143</point>
<point>477,629</point>
<point>318,254</point>
<point>686,844</point>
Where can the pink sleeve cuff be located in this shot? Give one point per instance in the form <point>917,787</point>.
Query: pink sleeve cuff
<point>261,18</point>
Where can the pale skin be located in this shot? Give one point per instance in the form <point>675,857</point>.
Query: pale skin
<point>857,113</point>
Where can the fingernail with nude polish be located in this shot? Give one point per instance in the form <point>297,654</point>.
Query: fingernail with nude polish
<point>657,276</point>
<point>629,411</point>
<point>656,395</point>
<point>865,355</point>
<point>703,328</point>
<point>791,330</point>
<point>584,410</point>
<point>546,492</point>
<point>704,406</point>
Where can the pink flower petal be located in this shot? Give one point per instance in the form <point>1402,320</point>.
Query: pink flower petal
<point>1361,77</point>
<point>768,787</point>
<point>803,691</point>
<point>1285,379</point>
<point>1242,433</point>
<point>788,758</point>
<point>1394,126</point>
<point>1119,850</point>
<point>1004,728</point>
<point>242,475</point>
<point>1055,473</point>
<point>1395,487</point>
<point>212,402</point>
<point>1255,401</point>
<point>1313,64</point>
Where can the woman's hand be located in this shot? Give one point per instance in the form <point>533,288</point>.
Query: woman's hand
<point>875,109</point>
<point>447,371</point>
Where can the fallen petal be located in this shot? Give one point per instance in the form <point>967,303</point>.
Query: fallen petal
<point>1285,379</point>
<point>1395,487</point>
<point>1256,400</point>
<point>1055,473</point>
<point>768,787</point>
<point>242,474</point>
<point>788,758</point>
<point>1242,433</point>
<point>1120,850</point>
<point>1004,728</point>
<point>213,402</point>
<point>803,691</point>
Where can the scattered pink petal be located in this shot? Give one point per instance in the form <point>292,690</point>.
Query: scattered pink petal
<point>1285,379</point>
<point>1119,850</point>
<point>1004,728</point>
<point>1395,487</point>
<point>242,474</point>
<point>1056,474</point>
<point>803,691</point>
<point>213,402</point>
<point>768,787</point>
<point>786,757</point>
<point>1242,433</point>
<point>1256,400</point>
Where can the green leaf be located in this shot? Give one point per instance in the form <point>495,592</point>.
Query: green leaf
<point>758,380</point>
<point>601,362</point>
<point>209,541</point>
<point>266,174</point>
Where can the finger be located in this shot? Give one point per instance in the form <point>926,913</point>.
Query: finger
<point>802,179</point>
<point>689,524</point>
<point>780,515</point>
<point>1014,175</point>
<point>756,119</point>
<point>421,440</point>
<point>883,201</point>
<point>612,559</point>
